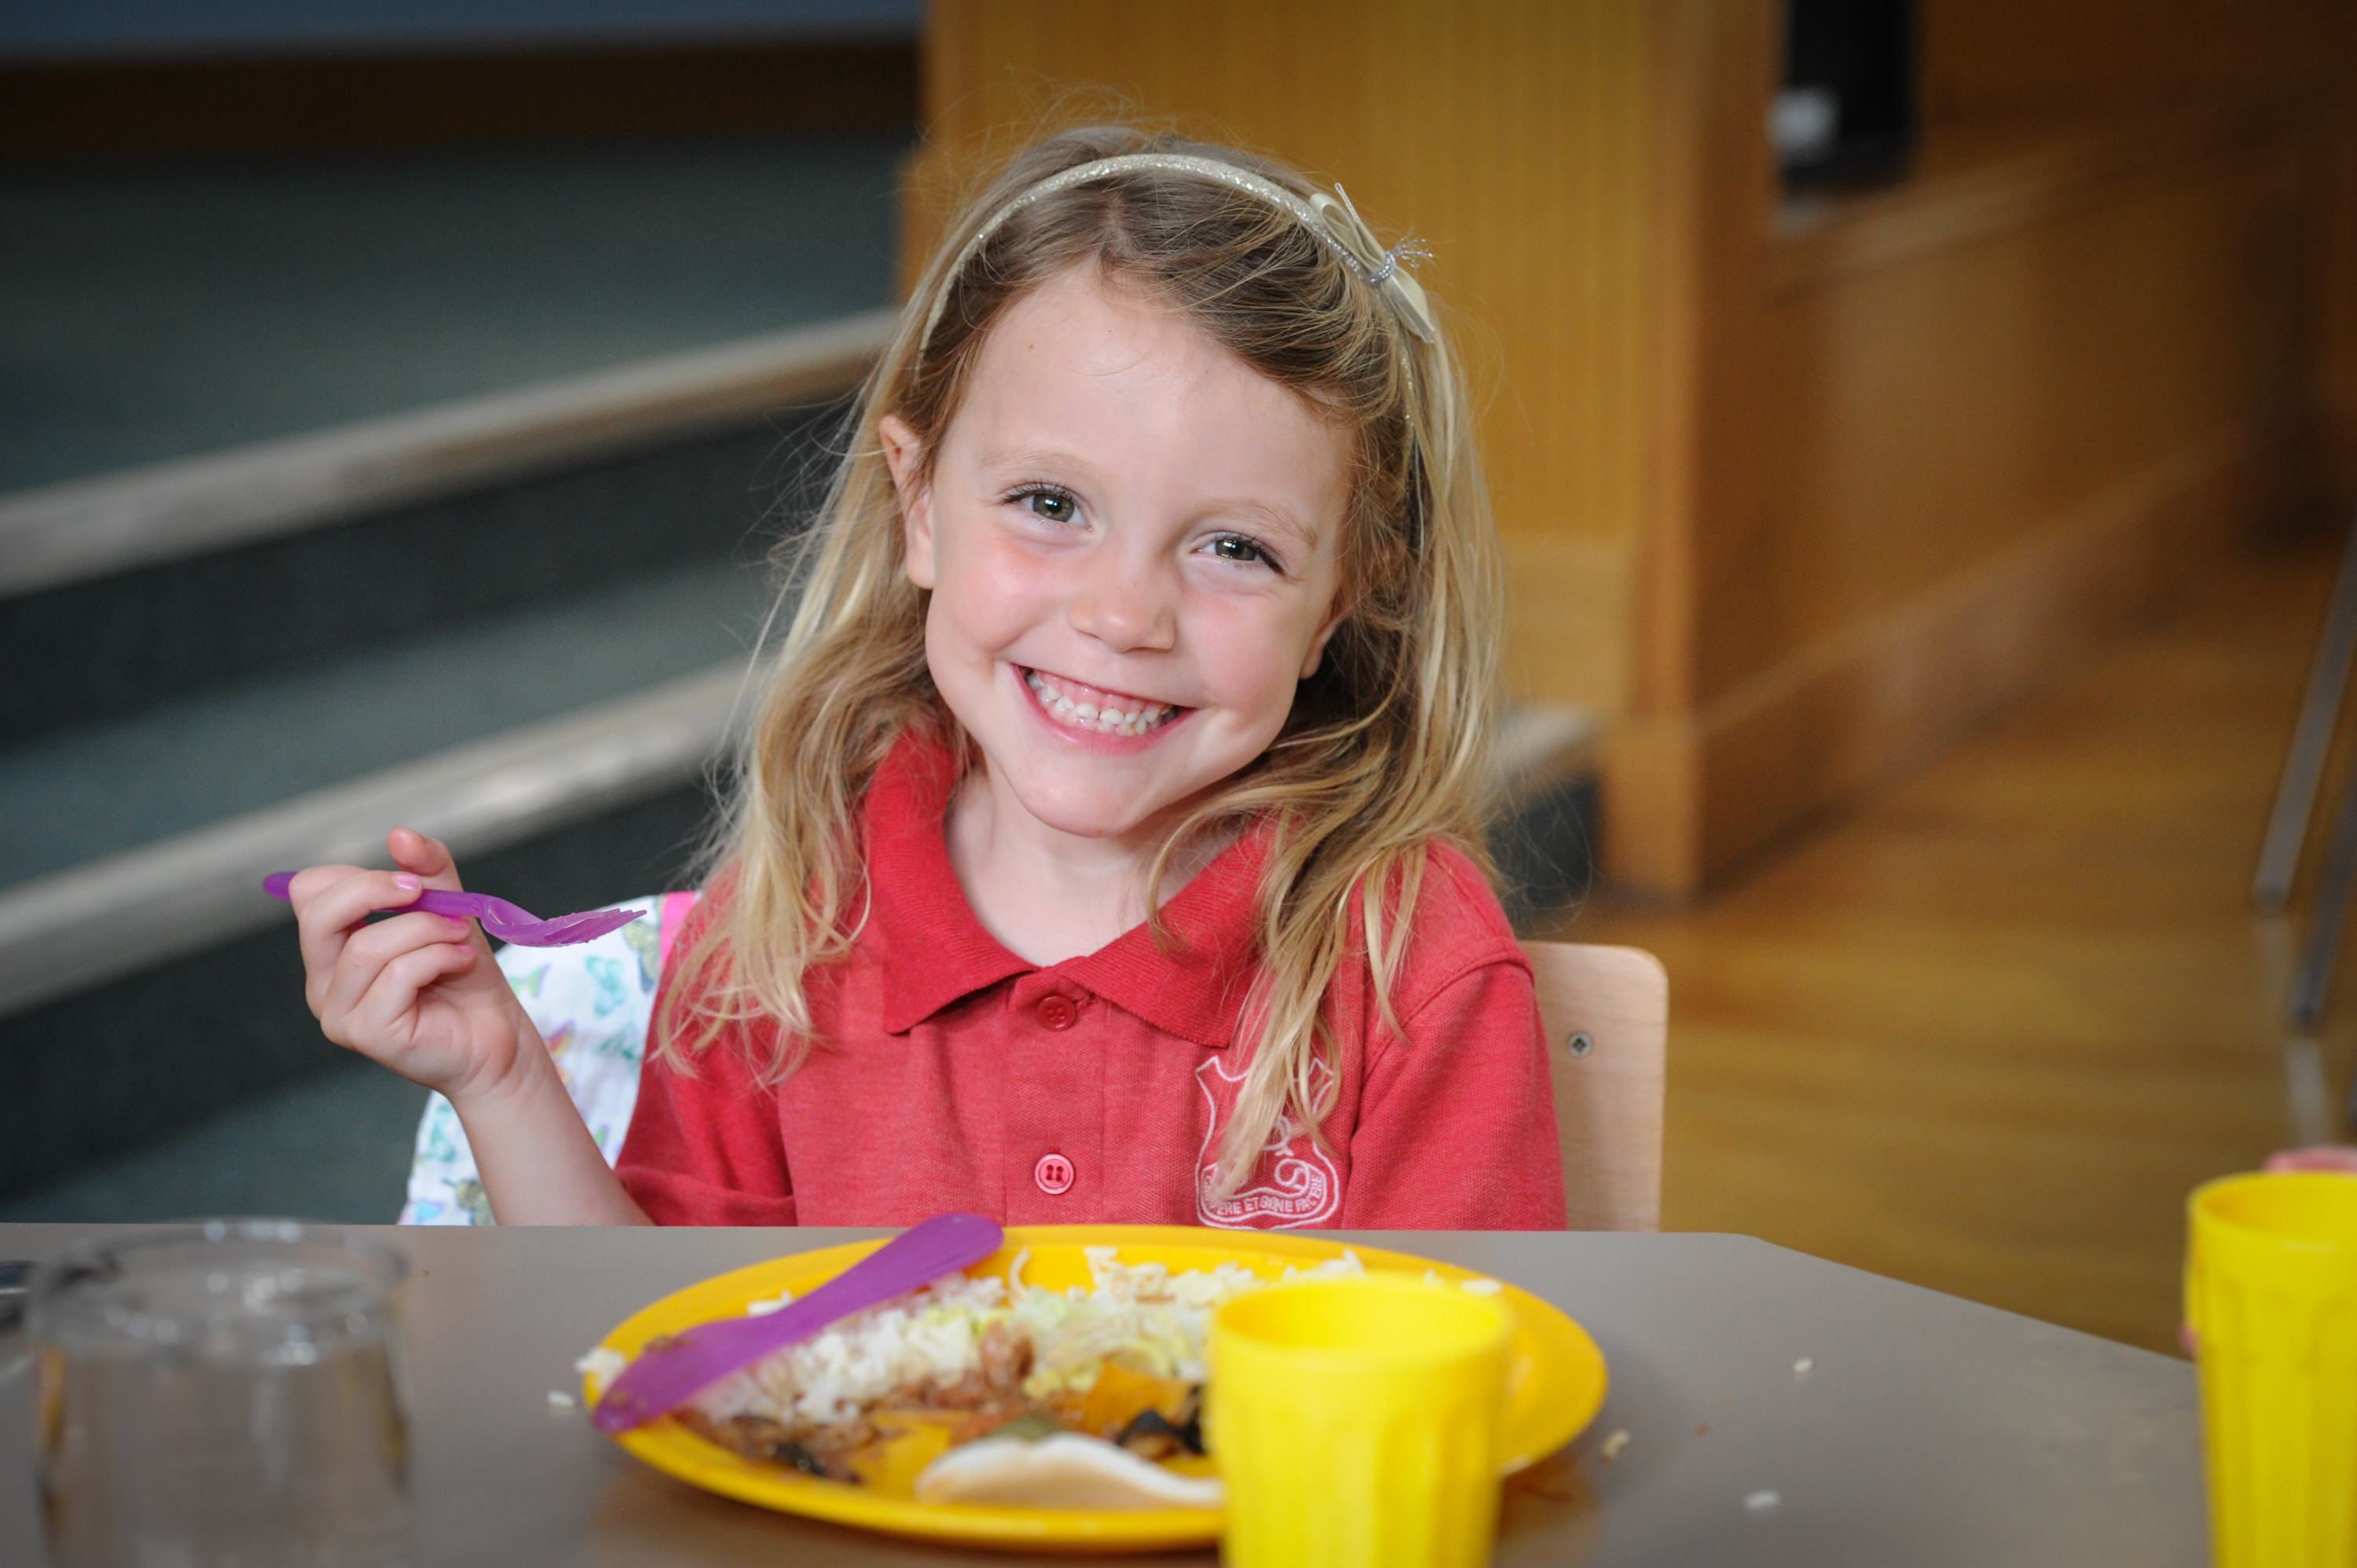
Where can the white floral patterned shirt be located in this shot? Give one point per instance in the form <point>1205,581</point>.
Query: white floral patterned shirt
<point>594,1005</point>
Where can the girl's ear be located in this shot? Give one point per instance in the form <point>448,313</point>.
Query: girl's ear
<point>1334,618</point>
<point>903,454</point>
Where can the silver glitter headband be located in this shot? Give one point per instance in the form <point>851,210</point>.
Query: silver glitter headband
<point>1332,218</point>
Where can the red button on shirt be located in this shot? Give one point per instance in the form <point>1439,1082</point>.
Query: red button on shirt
<point>1057,1012</point>
<point>1053,1173</point>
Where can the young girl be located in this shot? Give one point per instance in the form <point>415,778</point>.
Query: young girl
<point>1103,846</point>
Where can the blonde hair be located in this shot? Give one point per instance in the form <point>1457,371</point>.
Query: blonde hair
<point>1385,747</point>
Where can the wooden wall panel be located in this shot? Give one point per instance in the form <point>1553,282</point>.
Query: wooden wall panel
<point>1986,58</point>
<point>1511,136</point>
<point>2337,361</point>
<point>1714,63</point>
<point>1936,413</point>
<point>1944,434</point>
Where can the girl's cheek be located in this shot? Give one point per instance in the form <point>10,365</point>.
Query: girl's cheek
<point>1277,631</point>
<point>1012,598</point>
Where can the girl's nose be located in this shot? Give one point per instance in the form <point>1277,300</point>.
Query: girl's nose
<point>1127,605</point>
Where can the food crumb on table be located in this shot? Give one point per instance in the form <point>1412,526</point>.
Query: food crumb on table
<point>559,1399</point>
<point>1762,1502</point>
<point>602,1364</point>
<point>1803,1366</point>
<point>1609,1450</point>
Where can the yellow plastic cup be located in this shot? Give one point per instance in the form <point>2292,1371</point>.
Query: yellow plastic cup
<point>1355,1422</point>
<point>2271,1293</point>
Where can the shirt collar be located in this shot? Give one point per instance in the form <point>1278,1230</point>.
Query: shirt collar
<point>934,951</point>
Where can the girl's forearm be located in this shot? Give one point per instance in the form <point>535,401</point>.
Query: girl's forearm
<point>538,1162</point>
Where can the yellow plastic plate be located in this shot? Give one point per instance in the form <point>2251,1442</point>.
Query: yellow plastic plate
<point>1554,1384</point>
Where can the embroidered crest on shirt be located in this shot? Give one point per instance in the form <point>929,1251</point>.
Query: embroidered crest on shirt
<point>1293,1184</point>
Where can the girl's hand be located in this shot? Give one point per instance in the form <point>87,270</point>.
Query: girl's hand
<point>419,992</point>
<point>2316,1157</point>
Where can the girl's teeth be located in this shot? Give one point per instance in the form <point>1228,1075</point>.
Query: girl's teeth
<point>1088,716</point>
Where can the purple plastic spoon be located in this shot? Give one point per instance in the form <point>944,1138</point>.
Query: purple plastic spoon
<point>509,922</point>
<point>668,1372</point>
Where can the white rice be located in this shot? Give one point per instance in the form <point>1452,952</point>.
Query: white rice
<point>930,1334</point>
<point>934,1335</point>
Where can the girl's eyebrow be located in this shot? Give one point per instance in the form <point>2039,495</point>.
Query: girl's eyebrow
<point>1035,459</point>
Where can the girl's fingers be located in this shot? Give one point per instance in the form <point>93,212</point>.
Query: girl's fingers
<point>330,902</point>
<point>391,998</point>
<point>429,858</point>
<point>345,900</point>
<point>312,880</point>
<point>344,957</point>
<point>2316,1157</point>
<point>366,952</point>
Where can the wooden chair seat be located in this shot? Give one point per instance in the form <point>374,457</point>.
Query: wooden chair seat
<point>1607,1012</point>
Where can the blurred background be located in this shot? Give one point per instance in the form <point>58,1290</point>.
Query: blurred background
<point>1924,436</point>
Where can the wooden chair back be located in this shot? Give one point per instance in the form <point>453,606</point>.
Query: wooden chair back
<point>1607,1012</point>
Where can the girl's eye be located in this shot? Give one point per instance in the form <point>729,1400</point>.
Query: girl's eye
<point>1236,547</point>
<point>1053,505</point>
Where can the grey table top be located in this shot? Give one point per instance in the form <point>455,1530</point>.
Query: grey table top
<point>1928,1430</point>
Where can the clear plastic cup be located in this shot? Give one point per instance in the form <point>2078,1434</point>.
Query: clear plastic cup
<point>226,1392</point>
<point>1355,1422</point>
<point>2271,1294</point>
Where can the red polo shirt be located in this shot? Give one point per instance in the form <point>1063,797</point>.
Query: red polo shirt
<point>955,1075</point>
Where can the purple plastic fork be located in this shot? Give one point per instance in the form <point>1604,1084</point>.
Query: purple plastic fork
<point>668,1372</point>
<point>509,922</point>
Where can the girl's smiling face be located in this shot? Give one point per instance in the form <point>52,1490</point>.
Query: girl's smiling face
<point>1131,539</point>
